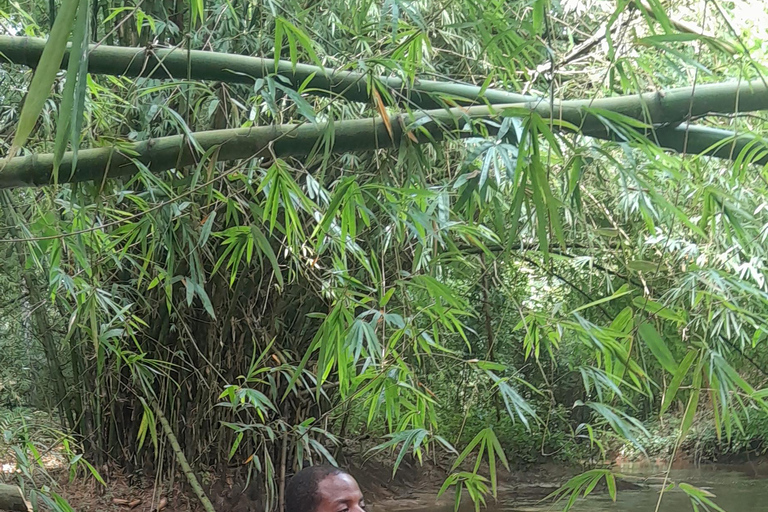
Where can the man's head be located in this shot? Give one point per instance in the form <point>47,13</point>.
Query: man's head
<point>323,489</point>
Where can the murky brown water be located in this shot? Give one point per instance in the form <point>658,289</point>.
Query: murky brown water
<point>741,488</point>
<point>736,489</point>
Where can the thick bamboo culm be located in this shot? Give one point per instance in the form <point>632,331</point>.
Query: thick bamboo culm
<point>665,109</point>
<point>284,140</point>
<point>166,63</point>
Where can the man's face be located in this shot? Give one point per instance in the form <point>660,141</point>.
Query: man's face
<point>339,493</point>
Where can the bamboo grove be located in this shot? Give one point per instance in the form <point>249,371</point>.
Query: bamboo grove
<point>246,234</point>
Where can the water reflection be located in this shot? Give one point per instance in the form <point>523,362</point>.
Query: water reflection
<point>736,489</point>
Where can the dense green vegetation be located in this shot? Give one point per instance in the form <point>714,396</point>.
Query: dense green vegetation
<point>499,231</point>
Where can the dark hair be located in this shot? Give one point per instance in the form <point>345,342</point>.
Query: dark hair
<point>301,491</point>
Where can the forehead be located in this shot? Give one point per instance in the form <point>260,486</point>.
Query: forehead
<point>339,488</point>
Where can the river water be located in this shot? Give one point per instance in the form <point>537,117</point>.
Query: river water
<point>742,488</point>
<point>736,489</point>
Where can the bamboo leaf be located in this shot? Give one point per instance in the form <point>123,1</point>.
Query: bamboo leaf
<point>610,481</point>
<point>692,407</point>
<point>68,101</point>
<point>266,249</point>
<point>657,309</point>
<point>539,12</point>
<point>279,32</point>
<point>642,266</point>
<point>198,10</point>
<point>657,346</point>
<point>624,290</point>
<point>45,73</point>
<point>677,379</point>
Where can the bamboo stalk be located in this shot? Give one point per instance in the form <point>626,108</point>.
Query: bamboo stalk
<point>281,476</point>
<point>164,63</point>
<point>661,108</point>
<point>182,460</point>
<point>284,140</point>
<point>161,63</point>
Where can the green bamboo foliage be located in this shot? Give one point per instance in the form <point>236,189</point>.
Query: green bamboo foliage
<point>72,101</point>
<point>45,73</point>
<point>256,259</point>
